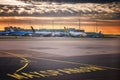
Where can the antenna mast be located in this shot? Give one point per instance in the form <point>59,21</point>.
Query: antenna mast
<point>96,27</point>
<point>79,25</point>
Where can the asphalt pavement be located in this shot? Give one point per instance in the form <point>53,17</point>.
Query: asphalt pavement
<point>44,60</point>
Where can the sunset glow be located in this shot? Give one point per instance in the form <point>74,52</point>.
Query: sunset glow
<point>53,14</point>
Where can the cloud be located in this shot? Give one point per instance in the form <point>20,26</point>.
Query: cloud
<point>71,1</point>
<point>35,8</point>
<point>12,2</point>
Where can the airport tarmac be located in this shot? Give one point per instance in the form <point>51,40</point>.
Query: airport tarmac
<point>59,59</point>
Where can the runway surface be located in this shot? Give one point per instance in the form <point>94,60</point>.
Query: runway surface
<point>59,59</point>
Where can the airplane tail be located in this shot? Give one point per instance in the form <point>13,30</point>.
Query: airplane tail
<point>100,32</point>
<point>32,29</point>
<point>65,29</point>
<point>11,29</point>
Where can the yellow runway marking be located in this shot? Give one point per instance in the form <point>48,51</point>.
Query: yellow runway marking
<point>69,62</point>
<point>54,60</point>
<point>55,73</point>
<point>23,59</point>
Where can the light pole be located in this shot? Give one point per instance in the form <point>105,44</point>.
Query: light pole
<point>79,25</point>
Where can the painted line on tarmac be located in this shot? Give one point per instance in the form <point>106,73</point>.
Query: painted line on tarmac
<point>26,61</point>
<point>60,61</point>
<point>70,62</point>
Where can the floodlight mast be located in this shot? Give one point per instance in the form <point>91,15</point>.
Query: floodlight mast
<point>79,25</point>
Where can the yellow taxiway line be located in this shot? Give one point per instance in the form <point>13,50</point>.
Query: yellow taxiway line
<point>22,58</point>
<point>54,60</point>
<point>69,62</point>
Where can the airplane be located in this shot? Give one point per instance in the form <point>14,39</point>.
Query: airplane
<point>16,32</point>
<point>75,33</point>
<point>43,33</point>
<point>4,33</point>
<point>94,35</point>
<point>1,33</point>
<point>58,33</point>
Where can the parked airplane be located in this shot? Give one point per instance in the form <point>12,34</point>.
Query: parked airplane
<point>58,33</point>
<point>94,35</point>
<point>75,33</point>
<point>44,33</point>
<point>4,33</point>
<point>16,32</point>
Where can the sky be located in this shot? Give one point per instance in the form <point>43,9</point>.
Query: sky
<point>105,14</point>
